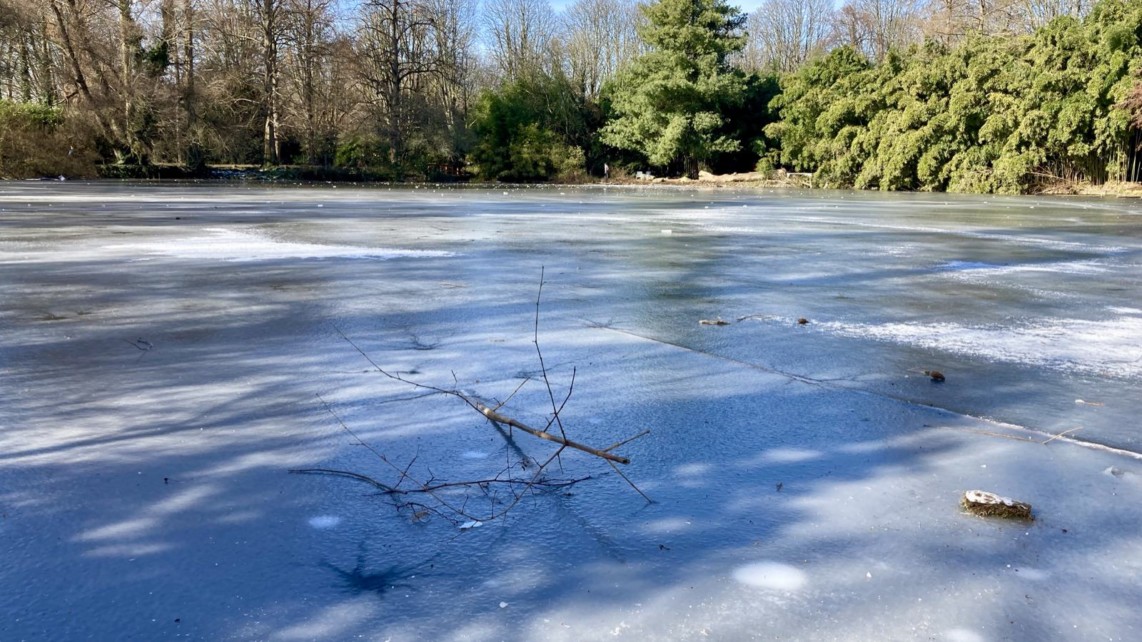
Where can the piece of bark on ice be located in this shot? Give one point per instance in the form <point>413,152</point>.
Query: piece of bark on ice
<point>985,504</point>
<point>712,322</point>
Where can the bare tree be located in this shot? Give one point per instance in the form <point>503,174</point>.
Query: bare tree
<point>397,39</point>
<point>308,35</point>
<point>783,34</point>
<point>875,27</point>
<point>521,35</point>
<point>455,33</point>
<point>228,83</point>
<point>25,60</point>
<point>949,21</point>
<point>1037,13</point>
<point>599,37</point>
<point>270,31</point>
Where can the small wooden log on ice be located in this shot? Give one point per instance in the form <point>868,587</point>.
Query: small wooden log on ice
<point>712,322</point>
<point>985,504</point>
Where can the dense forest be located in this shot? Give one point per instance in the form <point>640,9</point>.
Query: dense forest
<point>957,95</point>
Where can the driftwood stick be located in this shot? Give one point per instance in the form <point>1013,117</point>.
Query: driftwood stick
<point>542,434</point>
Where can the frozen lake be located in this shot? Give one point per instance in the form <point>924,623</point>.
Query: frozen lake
<point>169,352</point>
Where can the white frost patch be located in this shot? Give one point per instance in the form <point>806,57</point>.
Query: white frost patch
<point>1108,347</point>
<point>331,622</point>
<point>1032,574</point>
<point>120,530</point>
<point>219,244</point>
<point>976,269</point>
<point>789,455</point>
<point>771,575</point>
<point>473,454</point>
<point>323,522</point>
<point>667,525</point>
<point>962,635</point>
<point>693,469</point>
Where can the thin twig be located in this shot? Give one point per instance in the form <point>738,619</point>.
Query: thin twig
<point>1062,434</point>
<point>345,473</point>
<point>344,427</point>
<point>626,441</point>
<point>517,389</point>
<point>1001,435</point>
<point>431,488</point>
<point>627,480</point>
<point>542,366</point>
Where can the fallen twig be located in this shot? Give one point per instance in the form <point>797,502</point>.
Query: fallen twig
<point>430,488</point>
<point>1062,434</point>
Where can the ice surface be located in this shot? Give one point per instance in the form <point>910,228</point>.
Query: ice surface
<point>164,347</point>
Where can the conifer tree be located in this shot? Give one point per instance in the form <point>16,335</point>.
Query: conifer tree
<point>667,105</point>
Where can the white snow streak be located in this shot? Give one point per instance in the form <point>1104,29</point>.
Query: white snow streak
<point>1107,347</point>
<point>231,245</point>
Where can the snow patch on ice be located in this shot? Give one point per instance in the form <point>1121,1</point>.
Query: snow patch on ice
<point>789,455</point>
<point>963,635</point>
<point>667,525</point>
<point>1032,574</point>
<point>956,266</point>
<point>473,454</point>
<point>972,269</point>
<point>692,469</point>
<point>1107,347</point>
<point>322,522</point>
<point>221,244</point>
<point>771,575</point>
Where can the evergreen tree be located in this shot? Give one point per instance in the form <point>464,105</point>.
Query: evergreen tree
<point>668,104</point>
<point>532,129</point>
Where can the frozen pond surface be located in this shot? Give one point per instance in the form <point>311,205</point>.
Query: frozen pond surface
<point>164,346</point>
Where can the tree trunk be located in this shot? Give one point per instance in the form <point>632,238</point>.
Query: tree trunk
<point>25,70</point>
<point>127,71</point>
<point>270,144</point>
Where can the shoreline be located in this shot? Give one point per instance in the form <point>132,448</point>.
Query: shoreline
<point>742,180</point>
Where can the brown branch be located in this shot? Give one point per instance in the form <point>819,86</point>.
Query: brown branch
<point>491,413</point>
<point>431,488</point>
<point>542,434</point>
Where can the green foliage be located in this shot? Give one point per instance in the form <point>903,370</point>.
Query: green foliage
<point>994,114</point>
<point>360,152</point>
<point>669,105</point>
<point>40,140</point>
<point>745,121</point>
<point>533,129</point>
<point>155,59</point>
